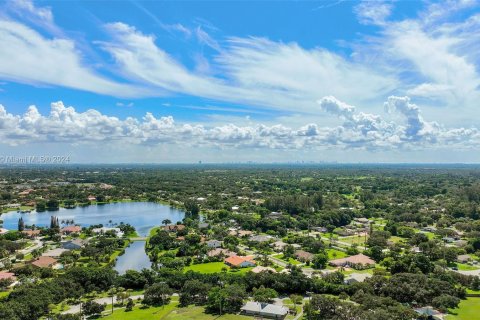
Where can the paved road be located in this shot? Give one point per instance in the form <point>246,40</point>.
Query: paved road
<point>76,308</point>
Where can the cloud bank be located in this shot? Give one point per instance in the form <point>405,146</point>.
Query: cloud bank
<point>358,130</point>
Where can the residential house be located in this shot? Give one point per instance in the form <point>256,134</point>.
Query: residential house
<point>266,310</point>
<point>261,238</point>
<point>7,275</point>
<point>71,229</point>
<point>464,258</point>
<point>240,261</point>
<point>220,252</point>
<point>279,245</point>
<point>357,277</point>
<point>214,243</point>
<point>44,262</point>
<point>304,256</point>
<point>259,269</point>
<point>103,230</point>
<point>3,230</point>
<point>75,244</point>
<point>32,234</point>
<point>54,253</point>
<point>275,215</point>
<point>429,313</point>
<point>174,227</point>
<point>359,261</point>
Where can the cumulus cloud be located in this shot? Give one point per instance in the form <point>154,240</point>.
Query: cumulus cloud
<point>358,131</point>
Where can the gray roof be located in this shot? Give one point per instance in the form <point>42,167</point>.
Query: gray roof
<point>265,308</point>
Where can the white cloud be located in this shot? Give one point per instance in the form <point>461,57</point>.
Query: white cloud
<point>361,131</point>
<point>28,57</point>
<point>373,12</point>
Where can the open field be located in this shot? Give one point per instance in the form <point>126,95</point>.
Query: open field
<point>468,309</point>
<point>214,267</point>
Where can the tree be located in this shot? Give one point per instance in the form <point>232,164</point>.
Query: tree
<point>296,299</point>
<point>226,300</point>
<point>264,295</point>
<point>194,291</point>
<point>445,302</point>
<point>158,294</point>
<point>130,305</point>
<point>320,260</point>
<point>21,224</point>
<point>166,222</point>
<point>91,307</point>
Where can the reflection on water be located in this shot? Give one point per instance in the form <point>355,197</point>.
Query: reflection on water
<point>142,215</point>
<point>134,258</point>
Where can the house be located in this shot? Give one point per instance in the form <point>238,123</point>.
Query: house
<point>174,227</point>
<point>240,261</point>
<point>460,243</point>
<point>203,225</point>
<point>464,258</point>
<point>103,230</point>
<point>266,310</point>
<point>3,230</point>
<point>260,238</point>
<point>32,234</point>
<point>214,243</point>
<point>279,245</point>
<point>71,229</point>
<point>259,269</point>
<point>319,229</point>
<point>75,244</point>
<point>7,275</point>
<point>44,262</point>
<point>448,239</point>
<point>235,208</point>
<point>91,198</point>
<point>275,215</point>
<point>357,277</point>
<point>359,261</point>
<point>362,220</point>
<point>429,313</point>
<point>220,252</point>
<point>304,256</point>
<point>54,253</point>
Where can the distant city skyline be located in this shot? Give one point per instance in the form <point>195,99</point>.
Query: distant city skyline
<point>239,81</point>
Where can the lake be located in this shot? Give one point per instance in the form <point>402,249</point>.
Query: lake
<point>134,258</point>
<point>142,215</point>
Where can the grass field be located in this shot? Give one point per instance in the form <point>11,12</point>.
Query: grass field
<point>214,267</point>
<point>197,313</point>
<point>290,260</point>
<point>169,312</point>
<point>468,309</point>
<point>335,254</point>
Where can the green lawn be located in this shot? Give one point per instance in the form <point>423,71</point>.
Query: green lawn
<point>335,254</point>
<point>353,240</point>
<point>467,310</point>
<point>139,313</point>
<point>197,313</point>
<point>290,260</point>
<point>214,267</point>
<point>168,312</point>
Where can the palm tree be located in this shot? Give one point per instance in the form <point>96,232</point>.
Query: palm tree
<point>166,222</point>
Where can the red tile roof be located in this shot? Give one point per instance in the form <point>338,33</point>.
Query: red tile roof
<point>238,260</point>
<point>356,259</point>
<point>7,275</point>
<point>44,262</point>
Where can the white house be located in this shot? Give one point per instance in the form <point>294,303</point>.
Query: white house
<point>266,310</point>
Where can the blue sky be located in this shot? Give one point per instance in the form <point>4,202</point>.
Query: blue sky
<point>182,81</point>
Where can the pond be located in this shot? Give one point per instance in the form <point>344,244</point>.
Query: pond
<point>142,215</point>
<point>134,258</point>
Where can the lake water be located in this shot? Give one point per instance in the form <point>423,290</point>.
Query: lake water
<point>142,215</point>
<point>134,258</point>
